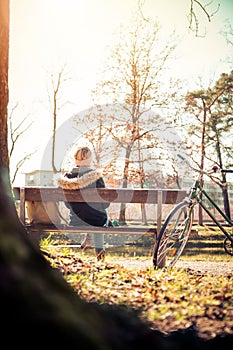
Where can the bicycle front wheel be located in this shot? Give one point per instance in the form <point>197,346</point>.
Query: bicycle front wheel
<point>173,236</point>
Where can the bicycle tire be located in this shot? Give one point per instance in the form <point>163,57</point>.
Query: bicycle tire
<point>173,235</point>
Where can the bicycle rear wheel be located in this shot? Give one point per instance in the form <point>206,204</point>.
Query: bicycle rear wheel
<point>173,236</point>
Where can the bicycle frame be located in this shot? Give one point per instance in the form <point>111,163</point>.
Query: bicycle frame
<point>196,195</point>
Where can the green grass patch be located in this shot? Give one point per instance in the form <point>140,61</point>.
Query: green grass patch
<point>208,245</point>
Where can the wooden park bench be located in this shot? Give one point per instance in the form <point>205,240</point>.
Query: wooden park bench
<point>113,195</point>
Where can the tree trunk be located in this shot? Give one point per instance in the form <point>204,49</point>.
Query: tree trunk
<point>143,211</point>
<point>226,202</point>
<point>223,185</point>
<point>122,217</point>
<point>4,62</point>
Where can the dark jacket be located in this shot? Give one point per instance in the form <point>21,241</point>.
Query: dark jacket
<point>85,213</point>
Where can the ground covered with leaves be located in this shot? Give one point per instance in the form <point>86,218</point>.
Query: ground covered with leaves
<point>171,300</point>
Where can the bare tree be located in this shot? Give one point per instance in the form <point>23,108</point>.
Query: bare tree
<point>57,81</point>
<point>228,33</point>
<point>196,10</point>
<point>194,15</point>
<point>134,78</point>
<point>16,132</point>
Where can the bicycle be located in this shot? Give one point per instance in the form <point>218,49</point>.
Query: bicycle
<point>177,226</point>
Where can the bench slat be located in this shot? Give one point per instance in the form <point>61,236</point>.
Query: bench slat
<point>113,195</point>
<point>92,229</point>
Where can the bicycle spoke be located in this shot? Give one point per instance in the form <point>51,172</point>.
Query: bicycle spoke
<point>173,236</point>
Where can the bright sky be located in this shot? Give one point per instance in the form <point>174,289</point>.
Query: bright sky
<point>47,34</point>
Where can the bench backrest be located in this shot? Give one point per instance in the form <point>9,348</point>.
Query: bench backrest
<point>113,195</point>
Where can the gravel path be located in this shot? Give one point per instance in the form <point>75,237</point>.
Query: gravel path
<point>212,267</point>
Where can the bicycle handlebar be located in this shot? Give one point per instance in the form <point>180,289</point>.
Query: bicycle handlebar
<point>226,171</point>
<point>215,168</point>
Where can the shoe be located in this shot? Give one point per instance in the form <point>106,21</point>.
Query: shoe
<point>87,243</point>
<point>109,224</point>
<point>100,255</point>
